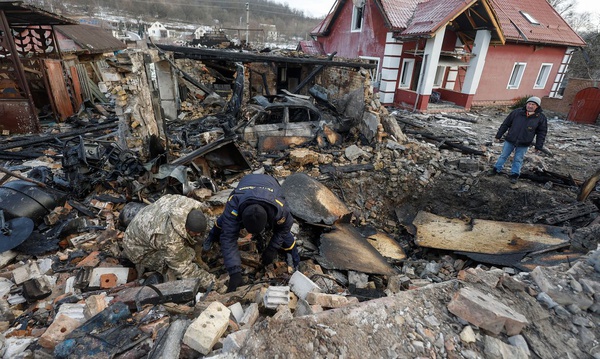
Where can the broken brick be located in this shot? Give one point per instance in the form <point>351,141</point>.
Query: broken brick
<point>108,280</point>
<point>486,312</point>
<point>58,331</point>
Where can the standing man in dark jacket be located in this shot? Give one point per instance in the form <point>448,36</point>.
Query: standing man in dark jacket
<point>257,204</point>
<point>523,125</point>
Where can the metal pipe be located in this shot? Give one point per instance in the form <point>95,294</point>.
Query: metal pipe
<point>247,22</point>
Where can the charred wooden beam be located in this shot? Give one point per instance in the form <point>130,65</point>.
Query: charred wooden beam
<point>41,139</point>
<point>485,236</point>
<point>445,144</point>
<point>312,75</point>
<point>246,57</point>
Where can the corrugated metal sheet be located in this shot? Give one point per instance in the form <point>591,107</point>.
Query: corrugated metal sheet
<point>552,28</point>
<point>433,14</point>
<point>90,39</point>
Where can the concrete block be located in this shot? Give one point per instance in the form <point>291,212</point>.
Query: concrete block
<point>73,311</point>
<point>276,296</point>
<point>120,272</point>
<point>302,285</point>
<point>250,316</point>
<point>205,331</point>
<point>237,311</point>
<point>327,300</point>
<point>25,272</point>
<point>233,342</point>
<point>486,312</point>
<point>58,331</point>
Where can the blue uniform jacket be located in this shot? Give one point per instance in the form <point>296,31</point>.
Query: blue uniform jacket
<point>261,189</point>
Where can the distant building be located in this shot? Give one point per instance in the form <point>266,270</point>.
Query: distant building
<point>270,32</point>
<point>201,30</point>
<point>158,31</point>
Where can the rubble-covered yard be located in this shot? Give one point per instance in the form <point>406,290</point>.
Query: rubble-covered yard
<point>375,280</point>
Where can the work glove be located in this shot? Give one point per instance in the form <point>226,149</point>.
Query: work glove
<point>268,256</point>
<point>235,280</point>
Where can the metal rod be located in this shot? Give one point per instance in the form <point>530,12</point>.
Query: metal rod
<point>11,173</point>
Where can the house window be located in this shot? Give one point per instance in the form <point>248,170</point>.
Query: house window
<point>408,65</point>
<point>439,76</point>
<point>357,18</point>
<point>374,72</point>
<point>529,18</point>
<point>516,75</point>
<point>542,77</point>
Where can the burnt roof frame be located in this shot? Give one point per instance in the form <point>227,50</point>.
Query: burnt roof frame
<point>15,18</point>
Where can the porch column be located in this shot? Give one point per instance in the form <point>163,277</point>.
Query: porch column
<point>480,50</point>
<point>389,69</point>
<point>431,59</point>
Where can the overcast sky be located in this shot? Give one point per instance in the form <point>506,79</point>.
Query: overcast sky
<point>320,8</point>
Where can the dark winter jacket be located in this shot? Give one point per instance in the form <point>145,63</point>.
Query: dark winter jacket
<point>522,129</point>
<point>264,190</point>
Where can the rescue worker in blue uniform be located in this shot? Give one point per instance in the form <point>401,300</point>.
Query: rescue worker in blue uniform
<point>258,205</point>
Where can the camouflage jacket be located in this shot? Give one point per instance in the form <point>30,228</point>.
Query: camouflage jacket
<point>157,239</point>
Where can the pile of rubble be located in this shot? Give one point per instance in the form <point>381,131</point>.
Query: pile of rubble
<point>68,290</point>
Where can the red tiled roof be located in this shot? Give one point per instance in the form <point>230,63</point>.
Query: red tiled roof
<point>399,12</point>
<point>312,47</point>
<point>432,14</point>
<point>425,17</point>
<point>552,28</point>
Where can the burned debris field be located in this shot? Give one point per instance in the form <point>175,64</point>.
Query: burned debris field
<point>408,248</point>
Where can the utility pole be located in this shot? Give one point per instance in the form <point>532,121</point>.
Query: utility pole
<point>247,21</point>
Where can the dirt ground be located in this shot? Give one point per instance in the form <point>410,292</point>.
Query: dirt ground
<point>472,193</point>
<point>417,323</point>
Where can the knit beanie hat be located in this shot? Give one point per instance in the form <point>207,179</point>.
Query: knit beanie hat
<point>196,221</point>
<point>535,100</point>
<point>254,218</point>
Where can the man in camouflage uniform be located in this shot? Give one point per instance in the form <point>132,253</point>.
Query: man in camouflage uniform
<point>162,235</point>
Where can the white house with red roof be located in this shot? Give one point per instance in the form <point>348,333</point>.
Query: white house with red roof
<point>466,51</point>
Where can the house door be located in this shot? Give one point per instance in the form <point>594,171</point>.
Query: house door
<point>586,106</point>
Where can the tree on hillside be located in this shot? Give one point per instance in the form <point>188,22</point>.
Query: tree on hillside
<point>566,9</point>
<point>586,63</point>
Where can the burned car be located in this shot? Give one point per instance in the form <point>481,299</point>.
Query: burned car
<point>279,121</point>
